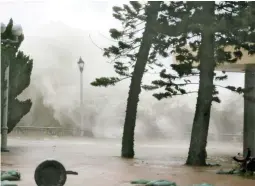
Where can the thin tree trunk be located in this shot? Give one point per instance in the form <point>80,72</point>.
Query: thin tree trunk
<point>249,111</point>
<point>135,86</point>
<point>197,150</point>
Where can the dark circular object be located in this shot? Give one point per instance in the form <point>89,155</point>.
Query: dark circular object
<point>50,173</point>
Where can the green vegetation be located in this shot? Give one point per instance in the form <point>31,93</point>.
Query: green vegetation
<point>20,72</point>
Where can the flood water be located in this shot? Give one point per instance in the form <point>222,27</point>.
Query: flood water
<point>98,161</point>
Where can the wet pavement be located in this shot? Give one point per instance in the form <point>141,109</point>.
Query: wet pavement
<point>98,163</point>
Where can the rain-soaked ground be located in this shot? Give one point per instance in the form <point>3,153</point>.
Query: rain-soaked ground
<point>98,163</point>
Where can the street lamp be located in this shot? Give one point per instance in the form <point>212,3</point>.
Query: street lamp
<point>81,67</point>
<point>16,31</point>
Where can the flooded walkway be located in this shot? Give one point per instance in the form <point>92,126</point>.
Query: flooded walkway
<point>98,162</point>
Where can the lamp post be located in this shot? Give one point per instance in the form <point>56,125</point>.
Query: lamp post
<point>16,31</point>
<point>81,67</point>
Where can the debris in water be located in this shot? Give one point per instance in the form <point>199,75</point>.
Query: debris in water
<point>247,164</point>
<point>161,183</point>
<point>203,184</point>
<point>232,171</point>
<point>141,181</point>
<point>51,172</point>
<point>10,175</point>
<point>71,172</point>
<point>213,165</point>
<point>154,182</point>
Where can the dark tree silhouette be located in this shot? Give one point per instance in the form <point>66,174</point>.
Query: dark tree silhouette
<point>197,35</point>
<point>20,72</point>
<point>131,17</point>
<point>211,34</point>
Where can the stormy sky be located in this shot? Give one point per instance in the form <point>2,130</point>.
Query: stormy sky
<point>57,33</point>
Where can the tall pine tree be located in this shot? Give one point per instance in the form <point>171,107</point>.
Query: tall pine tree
<point>211,37</point>
<point>134,66</point>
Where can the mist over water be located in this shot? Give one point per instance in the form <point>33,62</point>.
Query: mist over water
<point>54,90</point>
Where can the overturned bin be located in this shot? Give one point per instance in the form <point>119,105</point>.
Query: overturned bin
<point>51,173</point>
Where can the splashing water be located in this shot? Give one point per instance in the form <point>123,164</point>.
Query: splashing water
<point>55,90</point>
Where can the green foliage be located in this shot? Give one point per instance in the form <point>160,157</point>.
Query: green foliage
<point>123,53</point>
<point>238,90</point>
<point>115,34</point>
<point>105,81</point>
<point>221,78</point>
<point>179,26</point>
<point>129,56</point>
<point>8,35</point>
<point>183,68</point>
<point>233,25</point>
<point>20,72</point>
<point>171,87</point>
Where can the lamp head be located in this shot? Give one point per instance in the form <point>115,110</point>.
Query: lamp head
<point>81,64</point>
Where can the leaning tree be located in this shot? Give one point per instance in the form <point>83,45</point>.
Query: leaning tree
<point>20,72</point>
<point>201,36</point>
<point>181,24</point>
<point>134,54</point>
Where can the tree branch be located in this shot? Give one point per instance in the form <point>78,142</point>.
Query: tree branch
<point>106,81</point>
<point>134,25</point>
<point>220,86</point>
<point>190,92</point>
<point>160,96</point>
<point>123,54</point>
<point>95,43</point>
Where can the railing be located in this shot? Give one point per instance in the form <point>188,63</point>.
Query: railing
<point>61,131</point>
<point>47,131</point>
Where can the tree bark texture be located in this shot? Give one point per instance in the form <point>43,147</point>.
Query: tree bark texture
<point>249,110</point>
<point>197,151</point>
<point>136,80</point>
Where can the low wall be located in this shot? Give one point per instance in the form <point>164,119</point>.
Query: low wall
<point>27,131</point>
<point>43,131</point>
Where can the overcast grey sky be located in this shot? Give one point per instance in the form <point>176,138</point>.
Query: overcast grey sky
<point>77,13</point>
